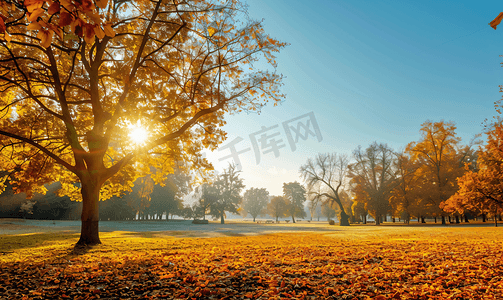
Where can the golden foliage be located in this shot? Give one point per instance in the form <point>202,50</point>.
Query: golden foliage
<point>76,73</point>
<point>439,163</point>
<point>48,17</point>
<point>482,190</point>
<point>360,262</point>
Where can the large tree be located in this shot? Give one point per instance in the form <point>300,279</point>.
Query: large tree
<point>359,211</point>
<point>79,79</point>
<point>328,210</point>
<point>255,201</point>
<point>167,197</point>
<point>278,207</point>
<point>228,187</point>
<point>373,175</point>
<point>404,196</point>
<point>206,195</point>
<point>440,161</point>
<point>325,176</point>
<point>295,195</point>
<point>482,189</point>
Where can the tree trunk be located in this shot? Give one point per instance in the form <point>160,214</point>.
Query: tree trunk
<point>443,220</point>
<point>457,219</point>
<point>466,218</point>
<point>276,219</point>
<point>293,219</point>
<point>222,221</point>
<point>435,219</point>
<point>253,219</point>
<point>422,220</point>
<point>89,231</point>
<point>378,220</point>
<point>365,219</point>
<point>484,218</point>
<point>344,219</point>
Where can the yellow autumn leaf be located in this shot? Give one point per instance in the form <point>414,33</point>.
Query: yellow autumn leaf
<point>45,37</point>
<point>35,14</point>
<point>32,5</point>
<point>212,28</point>
<point>7,37</point>
<point>102,3</point>
<point>109,30</point>
<point>99,32</point>
<point>94,16</point>
<point>494,23</point>
<point>34,26</point>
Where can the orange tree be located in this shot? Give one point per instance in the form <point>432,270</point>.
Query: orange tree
<point>79,77</point>
<point>482,189</point>
<point>405,192</point>
<point>440,162</point>
<point>278,207</point>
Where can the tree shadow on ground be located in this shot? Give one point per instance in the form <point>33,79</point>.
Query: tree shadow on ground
<point>10,243</point>
<point>165,234</point>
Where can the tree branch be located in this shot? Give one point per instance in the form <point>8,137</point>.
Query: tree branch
<point>41,148</point>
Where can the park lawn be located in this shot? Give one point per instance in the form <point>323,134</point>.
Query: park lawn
<point>357,262</point>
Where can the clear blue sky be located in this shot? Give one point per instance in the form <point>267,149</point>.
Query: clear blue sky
<point>370,71</point>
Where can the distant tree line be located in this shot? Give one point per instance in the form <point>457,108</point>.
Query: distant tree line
<point>436,177</point>
<point>145,201</point>
<point>223,194</point>
<point>42,207</point>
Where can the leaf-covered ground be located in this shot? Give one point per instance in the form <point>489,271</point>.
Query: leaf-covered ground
<point>349,263</point>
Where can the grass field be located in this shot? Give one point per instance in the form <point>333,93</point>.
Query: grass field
<point>314,261</point>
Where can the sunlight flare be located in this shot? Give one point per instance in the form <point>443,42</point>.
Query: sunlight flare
<point>138,134</point>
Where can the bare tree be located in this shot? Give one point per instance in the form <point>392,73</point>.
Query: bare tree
<point>373,175</point>
<point>325,176</point>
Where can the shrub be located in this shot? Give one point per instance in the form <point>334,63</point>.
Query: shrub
<point>200,222</point>
<point>331,222</point>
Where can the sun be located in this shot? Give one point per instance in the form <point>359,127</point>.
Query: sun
<point>138,134</point>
